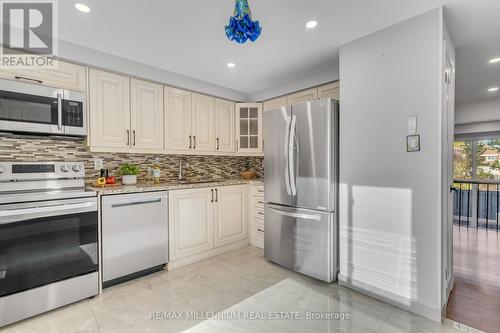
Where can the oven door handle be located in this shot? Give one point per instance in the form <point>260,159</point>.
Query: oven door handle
<point>14,215</point>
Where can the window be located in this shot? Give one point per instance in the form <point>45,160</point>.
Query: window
<point>477,159</point>
<point>462,160</point>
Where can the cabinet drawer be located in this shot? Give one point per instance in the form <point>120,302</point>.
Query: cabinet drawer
<point>65,76</point>
<point>259,225</point>
<point>257,202</point>
<point>258,212</point>
<point>258,240</point>
<point>258,190</point>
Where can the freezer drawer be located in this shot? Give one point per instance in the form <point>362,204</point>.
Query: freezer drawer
<point>134,233</point>
<point>302,240</point>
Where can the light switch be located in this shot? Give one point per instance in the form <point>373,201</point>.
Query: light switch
<point>412,125</point>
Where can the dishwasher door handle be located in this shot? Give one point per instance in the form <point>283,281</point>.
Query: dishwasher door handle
<point>134,203</point>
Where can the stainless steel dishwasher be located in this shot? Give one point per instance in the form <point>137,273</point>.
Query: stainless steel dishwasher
<point>134,235</point>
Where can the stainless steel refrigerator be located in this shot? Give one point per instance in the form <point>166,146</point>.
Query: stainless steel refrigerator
<point>301,188</point>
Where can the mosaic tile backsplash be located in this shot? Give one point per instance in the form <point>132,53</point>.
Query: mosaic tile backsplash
<point>35,148</point>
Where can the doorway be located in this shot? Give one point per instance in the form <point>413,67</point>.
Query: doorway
<point>475,299</point>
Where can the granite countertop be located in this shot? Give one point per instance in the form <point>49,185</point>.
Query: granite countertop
<point>167,186</point>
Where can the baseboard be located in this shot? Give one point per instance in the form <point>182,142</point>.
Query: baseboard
<point>449,288</point>
<point>390,298</point>
<point>206,254</point>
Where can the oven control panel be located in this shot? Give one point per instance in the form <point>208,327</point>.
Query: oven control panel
<point>19,171</point>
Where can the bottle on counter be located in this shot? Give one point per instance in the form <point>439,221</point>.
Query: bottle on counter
<point>156,171</point>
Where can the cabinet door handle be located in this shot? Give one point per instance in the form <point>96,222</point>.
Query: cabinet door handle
<point>27,79</point>
<point>260,230</point>
<point>216,195</point>
<point>128,137</point>
<point>194,140</point>
<point>133,132</point>
<point>217,143</point>
<point>190,142</point>
<point>212,195</point>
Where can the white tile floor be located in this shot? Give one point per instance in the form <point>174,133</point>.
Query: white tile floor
<point>240,282</point>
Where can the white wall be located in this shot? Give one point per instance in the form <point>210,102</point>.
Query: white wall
<point>390,200</point>
<point>478,119</point>
<point>478,111</point>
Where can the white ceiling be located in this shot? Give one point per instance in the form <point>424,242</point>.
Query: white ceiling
<point>187,37</point>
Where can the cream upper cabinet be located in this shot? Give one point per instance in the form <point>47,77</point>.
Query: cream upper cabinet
<point>249,127</point>
<point>65,76</point>
<point>274,104</point>
<point>203,123</point>
<point>230,214</point>
<point>329,90</point>
<point>191,214</point>
<point>224,126</point>
<point>109,110</point>
<point>302,96</point>
<point>177,119</point>
<point>146,114</point>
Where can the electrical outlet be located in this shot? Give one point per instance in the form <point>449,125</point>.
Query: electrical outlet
<point>98,164</point>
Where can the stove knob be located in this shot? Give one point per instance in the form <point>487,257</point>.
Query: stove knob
<point>64,168</point>
<point>77,168</point>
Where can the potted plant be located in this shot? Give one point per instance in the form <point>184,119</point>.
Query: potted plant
<point>129,173</point>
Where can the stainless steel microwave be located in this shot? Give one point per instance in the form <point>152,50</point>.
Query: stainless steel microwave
<point>32,108</point>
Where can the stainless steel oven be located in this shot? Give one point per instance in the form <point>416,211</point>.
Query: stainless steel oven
<point>48,238</point>
<point>32,108</point>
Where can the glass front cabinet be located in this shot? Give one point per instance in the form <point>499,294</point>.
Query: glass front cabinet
<point>249,128</point>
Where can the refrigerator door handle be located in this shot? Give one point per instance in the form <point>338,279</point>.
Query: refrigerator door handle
<point>287,157</point>
<point>296,215</point>
<point>291,156</point>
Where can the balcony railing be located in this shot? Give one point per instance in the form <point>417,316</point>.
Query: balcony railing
<point>476,204</point>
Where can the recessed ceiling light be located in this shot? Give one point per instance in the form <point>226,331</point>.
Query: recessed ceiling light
<point>231,64</point>
<point>311,24</point>
<point>494,60</point>
<point>82,7</point>
<point>493,89</point>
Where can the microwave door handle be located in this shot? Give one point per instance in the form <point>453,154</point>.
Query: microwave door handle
<point>285,152</point>
<point>291,156</point>
<point>14,215</point>
<point>59,111</point>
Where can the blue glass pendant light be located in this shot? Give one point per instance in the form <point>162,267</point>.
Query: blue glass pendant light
<point>241,27</point>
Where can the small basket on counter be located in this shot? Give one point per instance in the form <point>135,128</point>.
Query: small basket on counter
<point>248,174</point>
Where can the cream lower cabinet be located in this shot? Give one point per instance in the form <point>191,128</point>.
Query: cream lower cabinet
<point>230,215</point>
<point>257,214</point>
<point>191,221</point>
<point>206,221</point>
